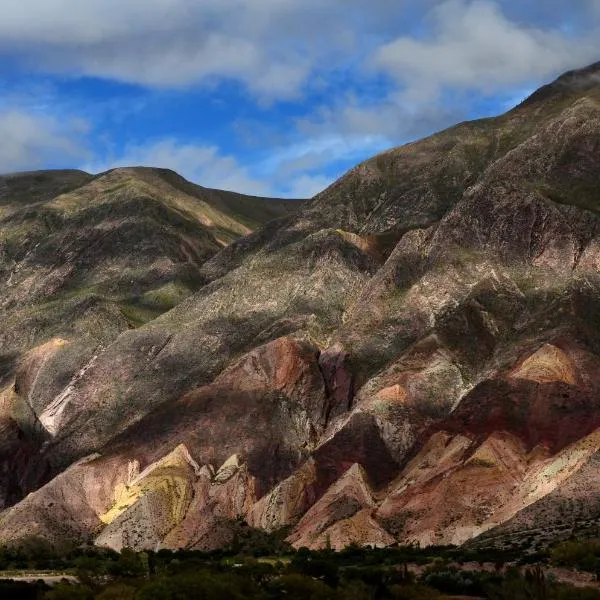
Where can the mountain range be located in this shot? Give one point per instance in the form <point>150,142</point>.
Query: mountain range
<point>411,356</point>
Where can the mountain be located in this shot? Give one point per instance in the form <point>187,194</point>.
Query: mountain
<point>411,356</point>
<point>119,248</point>
<point>84,258</point>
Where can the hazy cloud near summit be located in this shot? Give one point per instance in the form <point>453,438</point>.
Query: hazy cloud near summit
<point>31,141</point>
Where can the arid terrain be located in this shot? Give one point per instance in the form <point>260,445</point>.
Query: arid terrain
<point>411,356</point>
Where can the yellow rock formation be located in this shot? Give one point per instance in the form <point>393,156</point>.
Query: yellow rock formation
<point>548,364</point>
<point>173,475</point>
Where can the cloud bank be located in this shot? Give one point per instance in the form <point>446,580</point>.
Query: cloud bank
<point>359,76</point>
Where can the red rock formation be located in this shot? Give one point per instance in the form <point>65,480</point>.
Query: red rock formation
<point>326,522</point>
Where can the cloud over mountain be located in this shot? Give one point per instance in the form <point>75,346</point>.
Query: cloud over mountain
<point>305,72</point>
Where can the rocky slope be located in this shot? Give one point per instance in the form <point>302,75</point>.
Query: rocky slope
<point>82,259</point>
<point>413,355</point>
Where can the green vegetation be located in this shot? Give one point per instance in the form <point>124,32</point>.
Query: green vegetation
<point>246,571</point>
<point>583,555</point>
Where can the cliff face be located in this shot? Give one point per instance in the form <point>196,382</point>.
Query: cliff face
<point>412,355</point>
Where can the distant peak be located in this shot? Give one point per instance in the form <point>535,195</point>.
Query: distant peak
<point>44,174</point>
<point>575,81</point>
<point>143,169</point>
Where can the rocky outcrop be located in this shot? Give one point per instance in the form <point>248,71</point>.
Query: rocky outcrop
<point>342,501</point>
<point>171,503</point>
<point>287,502</point>
<point>174,503</point>
<point>500,451</point>
<point>208,522</point>
<point>548,364</point>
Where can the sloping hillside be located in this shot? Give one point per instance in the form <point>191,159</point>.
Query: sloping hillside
<point>84,258</point>
<point>411,356</point>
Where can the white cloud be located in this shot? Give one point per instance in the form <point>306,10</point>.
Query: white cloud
<point>271,46</point>
<point>474,46</point>
<point>31,141</point>
<point>463,51</point>
<point>278,49</point>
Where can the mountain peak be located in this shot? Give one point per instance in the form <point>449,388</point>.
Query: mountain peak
<point>576,81</point>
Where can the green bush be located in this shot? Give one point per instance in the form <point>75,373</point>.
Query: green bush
<point>584,555</point>
<point>69,591</point>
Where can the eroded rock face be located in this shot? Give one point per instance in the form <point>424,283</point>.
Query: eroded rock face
<point>286,504</point>
<point>500,451</point>
<point>342,501</point>
<point>69,507</point>
<point>207,524</point>
<point>411,356</point>
<point>172,503</point>
<point>268,409</point>
<point>548,364</point>
<point>338,377</point>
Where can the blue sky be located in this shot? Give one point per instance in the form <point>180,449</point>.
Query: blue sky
<point>268,97</point>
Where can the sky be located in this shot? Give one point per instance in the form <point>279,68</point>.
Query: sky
<point>266,97</point>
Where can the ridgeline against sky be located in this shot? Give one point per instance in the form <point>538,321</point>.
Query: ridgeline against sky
<point>269,97</point>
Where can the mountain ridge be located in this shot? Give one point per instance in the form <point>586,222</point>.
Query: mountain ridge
<point>398,357</point>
